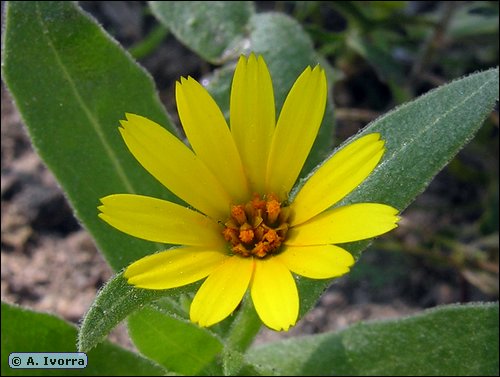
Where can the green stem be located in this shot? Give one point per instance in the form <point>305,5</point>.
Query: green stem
<point>356,19</point>
<point>149,43</point>
<point>434,41</point>
<point>244,328</point>
<point>240,336</point>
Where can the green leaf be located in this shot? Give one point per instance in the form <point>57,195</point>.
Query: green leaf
<point>447,341</point>
<point>80,84</point>
<point>211,28</point>
<point>27,331</point>
<point>178,345</point>
<point>421,137</point>
<point>113,304</point>
<point>72,84</point>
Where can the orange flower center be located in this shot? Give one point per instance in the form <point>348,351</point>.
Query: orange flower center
<point>257,228</point>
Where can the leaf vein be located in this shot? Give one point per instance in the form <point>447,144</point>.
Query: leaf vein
<point>91,118</point>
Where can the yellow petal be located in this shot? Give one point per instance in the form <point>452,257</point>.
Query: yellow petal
<point>159,221</point>
<point>209,136</point>
<point>174,268</point>
<point>316,262</point>
<point>297,127</point>
<point>337,177</point>
<point>175,166</point>
<point>253,117</point>
<point>223,290</point>
<point>274,294</point>
<point>344,224</point>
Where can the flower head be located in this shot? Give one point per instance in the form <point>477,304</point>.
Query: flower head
<point>244,232</point>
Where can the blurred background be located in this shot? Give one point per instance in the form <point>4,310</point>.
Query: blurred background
<point>384,53</point>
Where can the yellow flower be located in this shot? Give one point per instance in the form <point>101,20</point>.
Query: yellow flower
<point>245,232</point>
